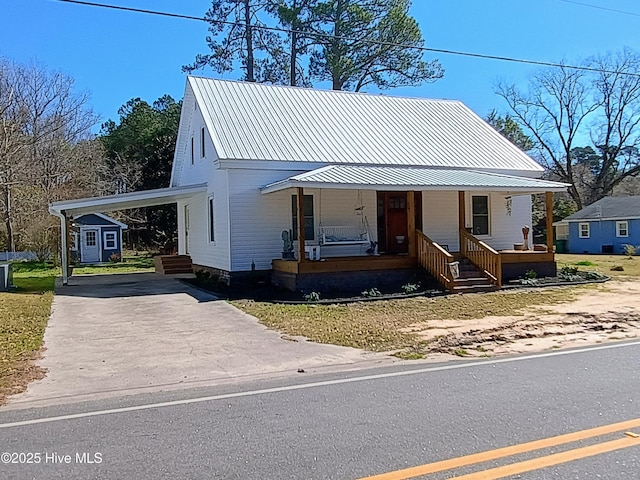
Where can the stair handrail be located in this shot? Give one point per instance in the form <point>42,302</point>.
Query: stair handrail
<point>435,259</point>
<point>482,256</point>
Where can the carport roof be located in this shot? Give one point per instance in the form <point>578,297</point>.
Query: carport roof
<point>123,201</point>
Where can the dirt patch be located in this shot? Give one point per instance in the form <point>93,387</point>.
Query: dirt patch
<point>22,372</point>
<point>608,312</point>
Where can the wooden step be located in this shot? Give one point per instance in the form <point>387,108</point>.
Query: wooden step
<point>171,264</point>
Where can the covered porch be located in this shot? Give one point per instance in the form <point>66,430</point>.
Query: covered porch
<point>405,227</point>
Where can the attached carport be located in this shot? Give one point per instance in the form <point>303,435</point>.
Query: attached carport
<point>65,210</point>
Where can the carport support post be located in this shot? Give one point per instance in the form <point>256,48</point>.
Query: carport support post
<point>64,251</point>
<point>549,205</point>
<point>301,253</point>
<point>411,222</point>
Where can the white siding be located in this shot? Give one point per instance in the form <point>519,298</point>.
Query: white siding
<point>202,251</point>
<point>507,229</point>
<point>257,220</point>
<point>440,218</point>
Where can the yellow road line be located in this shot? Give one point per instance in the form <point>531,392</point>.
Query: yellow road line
<point>504,451</point>
<point>551,460</point>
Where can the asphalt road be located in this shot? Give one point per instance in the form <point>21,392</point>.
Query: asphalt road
<point>353,426</point>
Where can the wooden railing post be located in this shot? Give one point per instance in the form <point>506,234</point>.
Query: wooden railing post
<point>435,259</point>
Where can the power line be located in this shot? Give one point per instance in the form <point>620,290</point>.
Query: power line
<point>623,12</point>
<point>374,42</point>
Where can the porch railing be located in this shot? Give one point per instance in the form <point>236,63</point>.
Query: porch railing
<point>435,259</point>
<point>482,256</point>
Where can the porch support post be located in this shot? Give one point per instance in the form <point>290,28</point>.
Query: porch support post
<point>461,219</point>
<point>411,222</point>
<point>549,207</point>
<point>301,253</point>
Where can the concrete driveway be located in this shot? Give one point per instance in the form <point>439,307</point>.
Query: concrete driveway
<point>114,335</point>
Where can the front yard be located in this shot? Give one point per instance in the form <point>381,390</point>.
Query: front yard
<point>417,327</point>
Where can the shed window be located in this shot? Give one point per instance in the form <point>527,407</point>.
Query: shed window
<point>202,142</point>
<point>110,241</point>
<point>212,224</point>
<point>90,238</point>
<point>622,229</point>
<point>585,230</point>
<point>309,231</point>
<point>480,212</point>
<point>191,150</point>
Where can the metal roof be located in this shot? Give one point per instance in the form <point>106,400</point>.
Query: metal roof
<point>250,121</point>
<point>123,201</point>
<point>412,178</point>
<point>608,208</point>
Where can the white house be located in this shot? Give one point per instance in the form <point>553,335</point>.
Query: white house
<point>374,184</point>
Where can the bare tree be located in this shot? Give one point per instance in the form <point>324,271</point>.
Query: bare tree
<point>564,109</point>
<point>46,150</point>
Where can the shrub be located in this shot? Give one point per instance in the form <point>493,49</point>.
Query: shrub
<point>629,250</point>
<point>312,297</point>
<point>115,258</point>
<point>410,288</point>
<point>372,292</point>
<point>530,274</point>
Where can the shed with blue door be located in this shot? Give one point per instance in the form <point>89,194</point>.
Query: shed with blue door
<point>605,226</point>
<point>97,238</point>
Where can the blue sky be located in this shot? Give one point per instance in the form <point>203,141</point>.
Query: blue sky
<point>116,56</point>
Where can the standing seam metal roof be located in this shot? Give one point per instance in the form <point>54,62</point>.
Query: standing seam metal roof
<point>250,121</point>
<point>335,176</point>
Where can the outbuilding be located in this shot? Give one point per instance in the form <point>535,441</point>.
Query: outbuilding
<point>97,238</point>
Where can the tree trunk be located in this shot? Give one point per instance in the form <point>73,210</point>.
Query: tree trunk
<point>293,53</point>
<point>249,37</point>
<point>336,71</point>
<point>8,223</point>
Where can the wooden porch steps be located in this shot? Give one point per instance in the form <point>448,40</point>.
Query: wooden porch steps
<point>170,264</point>
<point>471,280</point>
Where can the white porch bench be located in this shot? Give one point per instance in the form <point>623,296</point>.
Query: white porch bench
<point>343,235</point>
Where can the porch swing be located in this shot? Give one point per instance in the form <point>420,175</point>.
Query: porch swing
<point>357,234</point>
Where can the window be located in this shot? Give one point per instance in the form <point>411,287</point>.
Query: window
<point>622,229</point>
<point>309,231</point>
<point>212,231</point>
<point>202,142</point>
<point>110,241</point>
<point>584,230</point>
<point>480,214</point>
<point>191,150</point>
<point>90,238</point>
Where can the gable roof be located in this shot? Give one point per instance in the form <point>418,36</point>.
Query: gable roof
<point>609,208</point>
<point>251,121</point>
<point>412,178</point>
<point>98,219</point>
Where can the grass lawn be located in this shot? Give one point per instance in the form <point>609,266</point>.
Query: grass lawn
<point>129,264</point>
<point>377,326</point>
<point>23,318</point>
<point>602,264</point>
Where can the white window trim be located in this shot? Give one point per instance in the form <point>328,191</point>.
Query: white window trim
<point>105,241</point>
<point>470,210</point>
<point>626,228</point>
<point>211,201</point>
<point>588,235</point>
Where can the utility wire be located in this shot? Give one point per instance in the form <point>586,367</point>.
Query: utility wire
<point>373,42</point>
<point>623,12</point>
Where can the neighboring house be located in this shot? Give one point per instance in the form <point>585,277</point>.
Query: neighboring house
<point>96,238</point>
<point>371,186</point>
<point>605,226</point>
